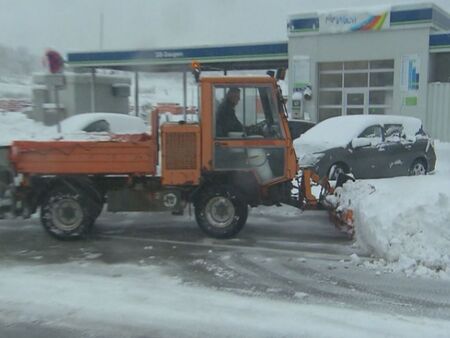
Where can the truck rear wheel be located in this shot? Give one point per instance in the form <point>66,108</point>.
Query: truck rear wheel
<point>66,214</point>
<point>220,213</point>
<point>96,199</point>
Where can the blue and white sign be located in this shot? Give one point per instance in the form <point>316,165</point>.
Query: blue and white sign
<point>351,20</point>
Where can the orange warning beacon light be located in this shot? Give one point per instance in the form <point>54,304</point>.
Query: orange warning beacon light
<point>196,70</point>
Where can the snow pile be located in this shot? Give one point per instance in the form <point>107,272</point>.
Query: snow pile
<point>405,221</point>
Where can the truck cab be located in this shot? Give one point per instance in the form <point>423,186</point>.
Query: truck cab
<point>263,146</point>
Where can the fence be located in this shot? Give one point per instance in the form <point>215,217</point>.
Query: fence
<point>437,121</point>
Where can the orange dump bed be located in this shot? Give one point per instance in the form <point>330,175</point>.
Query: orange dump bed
<point>126,154</point>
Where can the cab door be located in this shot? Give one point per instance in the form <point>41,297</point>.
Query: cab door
<point>247,133</point>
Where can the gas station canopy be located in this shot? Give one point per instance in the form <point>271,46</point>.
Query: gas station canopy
<point>221,58</point>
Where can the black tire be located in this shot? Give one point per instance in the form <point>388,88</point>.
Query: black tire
<point>67,214</point>
<point>220,212</point>
<point>419,167</point>
<point>95,198</point>
<point>336,169</point>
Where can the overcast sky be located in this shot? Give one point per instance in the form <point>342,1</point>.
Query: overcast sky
<point>74,25</point>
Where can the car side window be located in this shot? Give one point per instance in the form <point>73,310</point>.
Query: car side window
<point>98,126</point>
<point>374,133</point>
<point>393,132</point>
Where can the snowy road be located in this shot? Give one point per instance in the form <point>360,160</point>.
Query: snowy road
<point>287,274</point>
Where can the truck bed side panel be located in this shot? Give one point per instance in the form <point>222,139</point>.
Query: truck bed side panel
<point>85,157</point>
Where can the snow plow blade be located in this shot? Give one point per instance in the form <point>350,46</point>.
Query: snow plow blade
<point>328,199</point>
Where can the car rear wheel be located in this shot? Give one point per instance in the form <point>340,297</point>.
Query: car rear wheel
<point>418,167</point>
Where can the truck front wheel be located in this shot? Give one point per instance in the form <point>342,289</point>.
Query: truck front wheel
<point>220,213</point>
<point>65,213</point>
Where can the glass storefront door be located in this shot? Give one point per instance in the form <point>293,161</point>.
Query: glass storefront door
<point>355,101</point>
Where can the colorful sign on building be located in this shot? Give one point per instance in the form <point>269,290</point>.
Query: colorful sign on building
<point>351,20</point>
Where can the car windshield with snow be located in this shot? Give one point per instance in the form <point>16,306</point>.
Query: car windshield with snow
<point>373,146</point>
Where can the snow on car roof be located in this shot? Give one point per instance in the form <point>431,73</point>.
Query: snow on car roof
<point>339,131</point>
<point>119,123</point>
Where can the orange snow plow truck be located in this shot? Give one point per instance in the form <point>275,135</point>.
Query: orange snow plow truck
<point>220,167</point>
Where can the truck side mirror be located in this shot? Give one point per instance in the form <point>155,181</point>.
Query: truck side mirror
<point>281,74</point>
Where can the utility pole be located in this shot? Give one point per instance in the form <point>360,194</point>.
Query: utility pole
<point>101,30</point>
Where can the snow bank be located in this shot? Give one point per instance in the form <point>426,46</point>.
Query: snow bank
<point>405,221</point>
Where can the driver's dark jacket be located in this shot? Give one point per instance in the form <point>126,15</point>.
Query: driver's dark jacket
<point>227,120</point>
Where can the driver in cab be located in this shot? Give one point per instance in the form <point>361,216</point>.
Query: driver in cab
<point>226,114</point>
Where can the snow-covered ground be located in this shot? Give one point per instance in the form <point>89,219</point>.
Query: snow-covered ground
<point>130,301</point>
<point>17,126</point>
<point>15,87</point>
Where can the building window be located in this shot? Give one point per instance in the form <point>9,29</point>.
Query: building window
<point>382,79</point>
<point>326,113</point>
<point>331,80</point>
<point>352,80</point>
<point>355,87</point>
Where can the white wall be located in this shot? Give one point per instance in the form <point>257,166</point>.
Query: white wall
<point>437,122</point>
<point>388,44</point>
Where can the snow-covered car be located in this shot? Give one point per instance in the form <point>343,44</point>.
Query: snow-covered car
<point>104,122</point>
<point>368,146</point>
